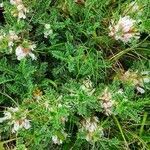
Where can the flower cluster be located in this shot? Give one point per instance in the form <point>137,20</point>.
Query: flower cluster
<point>124,30</point>
<point>136,79</point>
<point>18,123</point>
<point>47,30</point>
<point>91,127</point>
<point>9,38</point>
<point>87,87</point>
<point>21,9</point>
<point>22,52</point>
<point>106,102</point>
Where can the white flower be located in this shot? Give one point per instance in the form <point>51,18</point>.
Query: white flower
<point>90,124</point>
<point>47,31</point>
<point>120,91</point>
<point>19,124</point>
<point>20,53</point>
<point>20,8</point>
<point>23,52</point>
<point>16,109</point>
<point>1,4</point>
<point>124,30</point>
<point>7,116</point>
<point>32,47</point>
<point>140,90</point>
<point>106,102</point>
<point>47,26</point>
<point>56,140</point>
<point>16,126</point>
<point>13,2</point>
<point>21,11</point>
<point>91,128</point>
<point>32,56</point>
<point>21,15</point>
<point>10,44</point>
<point>12,36</point>
<point>26,124</point>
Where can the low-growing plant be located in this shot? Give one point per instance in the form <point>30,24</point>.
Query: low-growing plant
<point>74,74</point>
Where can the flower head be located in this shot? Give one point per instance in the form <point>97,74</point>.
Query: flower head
<point>21,9</point>
<point>124,30</point>
<point>56,140</point>
<point>90,124</point>
<point>19,124</point>
<point>7,116</point>
<point>106,102</point>
<point>12,116</point>
<point>22,52</point>
<point>47,30</point>
<point>90,127</point>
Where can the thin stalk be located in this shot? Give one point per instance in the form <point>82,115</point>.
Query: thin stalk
<point>143,123</point>
<point>118,55</point>
<point>7,141</point>
<point>9,98</point>
<point>121,131</point>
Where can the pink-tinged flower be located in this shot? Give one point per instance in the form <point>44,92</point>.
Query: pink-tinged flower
<point>124,30</point>
<point>91,129</point>
<point>90,124</point>
<point>19,124</point>
<point>106,102</point>
<point>23,52</point>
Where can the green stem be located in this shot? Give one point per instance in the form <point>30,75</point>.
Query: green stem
<point>143,123</point>
<point>121,131</point>
<point>9,98</point>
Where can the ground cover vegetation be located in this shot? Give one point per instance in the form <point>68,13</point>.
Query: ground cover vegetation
<point>74,75</point>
